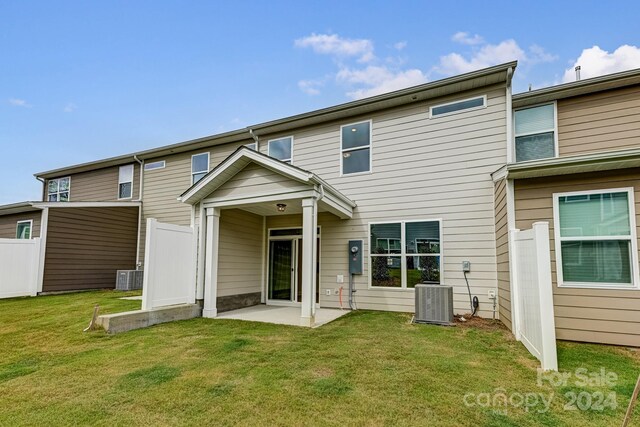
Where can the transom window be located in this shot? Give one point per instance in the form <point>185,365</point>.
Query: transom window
<point>355,140</point>
<point>160,164</point>
<point>458,106</point>
<point>403,254</point>
<point>125,182</point>
<point>58,189</point>
<point>23,230</point>
<point>535,133</point>
<point>199,166</point>
<point>253,146</point>
<point>595,239</point>
<point>282,149</point>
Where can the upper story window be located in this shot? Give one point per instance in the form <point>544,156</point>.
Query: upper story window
<point>23,230</point>
<point>596,243</point>
<point>355,143</point>
<point>125,182</point>
<point>282,149</point>
<point>253,146</point>
<point>535,132</point>
<point>154,165</point>
<point>199,166</point>
<point>58,189</point>
<point>458,106</point>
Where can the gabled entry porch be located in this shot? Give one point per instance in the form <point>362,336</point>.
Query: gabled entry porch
<point>251,185</point>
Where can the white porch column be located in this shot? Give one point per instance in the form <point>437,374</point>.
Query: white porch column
<point>211,263</point>
<point>309,238</point>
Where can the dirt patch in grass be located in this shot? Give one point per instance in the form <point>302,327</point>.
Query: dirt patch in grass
<point>479,323</point>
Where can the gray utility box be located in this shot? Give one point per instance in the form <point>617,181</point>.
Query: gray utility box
<point>355,257</point>
<point>129,280</point>
<point>434,304</point>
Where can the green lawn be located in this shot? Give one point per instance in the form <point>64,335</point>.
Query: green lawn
<point>367,368</point>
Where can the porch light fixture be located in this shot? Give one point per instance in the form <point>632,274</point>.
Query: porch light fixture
<point>281,207</point>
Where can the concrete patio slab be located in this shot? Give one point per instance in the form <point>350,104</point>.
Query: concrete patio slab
<point>138,298</point>
<point>281,315</point>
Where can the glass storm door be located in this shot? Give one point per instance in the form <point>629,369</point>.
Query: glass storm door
<point>281,270</point>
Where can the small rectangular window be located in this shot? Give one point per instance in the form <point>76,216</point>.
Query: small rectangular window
<point>282,149</point>
<point>125,182</point>
<point>534,130</point>
<point>595,239</point>
<point>253,146</point>
<point>199,166</point>
<point>23,230</point>
<point>458,106</point>
<point>58,190</point>
<point>355,143</point>
<point>154,165</point>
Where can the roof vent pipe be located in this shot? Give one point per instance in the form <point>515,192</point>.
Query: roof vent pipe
<point>577,73</point>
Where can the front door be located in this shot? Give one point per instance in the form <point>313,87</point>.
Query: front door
<point>285,271</point>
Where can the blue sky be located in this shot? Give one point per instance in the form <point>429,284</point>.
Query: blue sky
<point>84,80</point>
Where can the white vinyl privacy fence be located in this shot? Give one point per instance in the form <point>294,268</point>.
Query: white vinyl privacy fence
<point>532,293</point>
<point>169,265</point>
<point>19,266</point>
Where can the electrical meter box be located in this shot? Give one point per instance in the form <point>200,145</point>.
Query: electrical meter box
<point>355,256</point>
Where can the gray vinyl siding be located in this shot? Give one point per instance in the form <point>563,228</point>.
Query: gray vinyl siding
<point>9,224</point>
<point>594,315</point>
<point>502,253</point>
<point>605,121</point>
<point>85,247</point>
<point>100,185</point>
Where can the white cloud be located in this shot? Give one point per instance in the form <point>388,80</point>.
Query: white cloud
<point>310,87</point>
<point>70,107</point>
<point>19,102</point>
<point>400,45</point>
<point>379,79</point>
<point>333,44</point>
<point>465,38</point>
<point>595,62</point>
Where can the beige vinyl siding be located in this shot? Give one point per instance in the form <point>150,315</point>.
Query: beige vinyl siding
<point>594,315</point>
<point>240,256</point>
<point>9,224</point>
<point>99,185</point>
<point>605,121</point>
<point>85,247</point>
<point>256,180</point>
<point>502,252</point>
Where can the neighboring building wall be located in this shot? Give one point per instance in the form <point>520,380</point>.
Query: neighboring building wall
<point>605,121</point>
<point>502,252</point>
<point>9,224</point>
<point>592,315</point>
<point>99,185</point>
<point>85,247</point>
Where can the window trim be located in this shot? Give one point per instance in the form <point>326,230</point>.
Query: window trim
<point>464,110</point>
<point>58,192</point>
<point>403,253</point>
<point>635,277</point>
<point>290,160</point>
<point>556,147</point>
<point>370,147</point>
<point>24,221</point>
<point>151,166</point>
<point>198,172</point>
<point>133,172</point>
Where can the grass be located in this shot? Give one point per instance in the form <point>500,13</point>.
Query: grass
<point>367,368</point>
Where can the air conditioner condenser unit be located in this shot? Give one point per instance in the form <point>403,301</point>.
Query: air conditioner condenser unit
<point>129,280</point>
<point>434,304</point>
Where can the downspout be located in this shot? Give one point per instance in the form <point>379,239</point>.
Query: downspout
<point>44,187</point>
<point>141,163</point>
<point>255,138</point>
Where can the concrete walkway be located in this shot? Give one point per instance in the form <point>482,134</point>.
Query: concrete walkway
<point>281,315</point>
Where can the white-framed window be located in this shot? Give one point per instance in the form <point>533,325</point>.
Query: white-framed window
<point>160,164</point>
<point>355,148</point>
<point>199,166</point>
<point>595,239</point>
<point>253,146</point>
<point>59,189</point>
<point>23,229</point>
<point>125,182</point>
<point>405,253</point>
<point>456,107</point>
<point>535,132</point>
<point>281,149</point>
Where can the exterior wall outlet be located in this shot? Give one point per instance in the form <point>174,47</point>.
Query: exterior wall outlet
<point>336,291</point>
<point>340,278</point>
<point>491,294</point>
<point>327,292</point>
<point>466,266</point>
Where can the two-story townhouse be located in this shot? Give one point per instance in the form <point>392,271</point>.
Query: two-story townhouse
<point>573,162</point>
<point>408,173</point>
